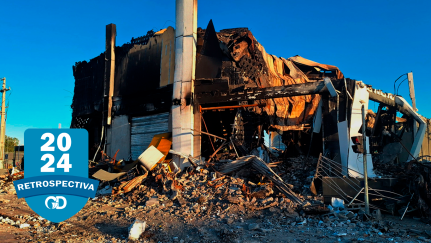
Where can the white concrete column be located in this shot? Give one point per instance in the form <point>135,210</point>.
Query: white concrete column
<point>185,65</point>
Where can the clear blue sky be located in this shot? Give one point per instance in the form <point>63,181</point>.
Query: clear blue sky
<point>373,41</point>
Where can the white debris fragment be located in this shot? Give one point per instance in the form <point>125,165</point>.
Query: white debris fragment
<point>22,226</point>
<point>136,229</point>
<point>337,202</point>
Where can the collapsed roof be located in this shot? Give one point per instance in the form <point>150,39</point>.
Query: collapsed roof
<point>236,56</point>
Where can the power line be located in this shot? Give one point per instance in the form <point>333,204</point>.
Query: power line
<point>396,82</point>
<point>400,85</point>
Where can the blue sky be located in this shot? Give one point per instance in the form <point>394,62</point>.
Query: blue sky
<point>373,41</point>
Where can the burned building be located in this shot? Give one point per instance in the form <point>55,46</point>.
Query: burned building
<point>240,91</point>
<point>141,93</point>
<point>208,96</point>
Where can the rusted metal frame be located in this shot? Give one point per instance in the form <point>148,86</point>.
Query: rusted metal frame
<point>229,107</point>
<point>209,134</point>
<point>215,152</point>
<point>233,145</point>
<point>212,183</point>
<point>212,145</point>
<point>113,158</point>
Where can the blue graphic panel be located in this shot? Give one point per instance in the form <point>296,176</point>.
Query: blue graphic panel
<point>78,152</point>
<point>56,184</point>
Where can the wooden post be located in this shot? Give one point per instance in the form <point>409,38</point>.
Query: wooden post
<point>3,122</point>
<point>111,33</point>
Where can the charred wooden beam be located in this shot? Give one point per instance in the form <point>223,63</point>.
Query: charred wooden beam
<point>206,93</point>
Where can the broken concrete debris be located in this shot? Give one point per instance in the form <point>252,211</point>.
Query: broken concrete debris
<point>259,165</point>
<point>154,201</point>
<point>136,229</point>
<point>287,183</point>
<point>197,196</point>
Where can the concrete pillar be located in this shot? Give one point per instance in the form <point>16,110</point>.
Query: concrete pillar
<point>185,65</point>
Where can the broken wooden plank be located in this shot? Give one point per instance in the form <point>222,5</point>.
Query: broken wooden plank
<point>103,175</point>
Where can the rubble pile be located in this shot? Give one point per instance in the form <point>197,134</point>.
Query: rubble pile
<point>261,180</point>
<point>194,194</point>
<point>227,225</point>
<point>258,195</point>
<point>414,178</point>
<point>232,191</point>
<point>28,221</point>
<point>205,205</point>
<point>2,183</point>
<point>204,189</point>
<point>6,185</point>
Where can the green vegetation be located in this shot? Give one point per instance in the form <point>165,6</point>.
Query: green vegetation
<point>10,143</point>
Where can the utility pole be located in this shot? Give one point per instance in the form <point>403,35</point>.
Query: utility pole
<point>364,156</point>
<point>3,121</point>
<point>412,96</point>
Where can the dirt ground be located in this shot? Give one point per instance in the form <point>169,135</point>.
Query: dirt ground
<point>105,220</point>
